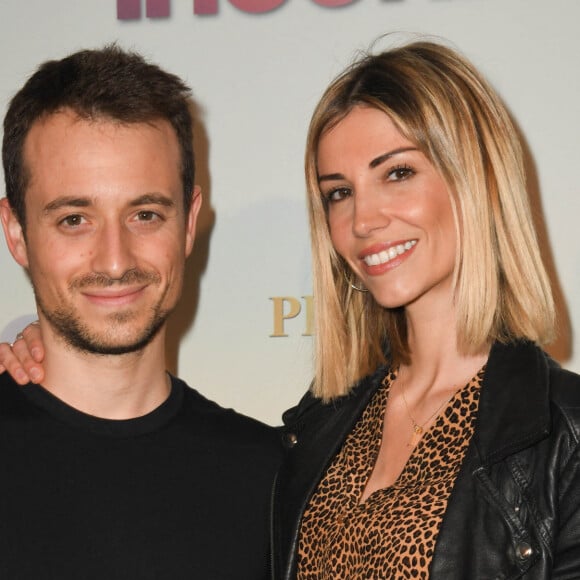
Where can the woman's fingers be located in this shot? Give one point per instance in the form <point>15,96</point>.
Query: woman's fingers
<point>22,358</point>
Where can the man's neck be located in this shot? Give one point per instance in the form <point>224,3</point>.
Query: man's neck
<point>107,386</point>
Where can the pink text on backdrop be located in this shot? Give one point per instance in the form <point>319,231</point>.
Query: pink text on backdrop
<point>131,9</point>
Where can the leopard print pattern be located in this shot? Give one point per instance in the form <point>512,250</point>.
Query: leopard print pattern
<point>393,533</point>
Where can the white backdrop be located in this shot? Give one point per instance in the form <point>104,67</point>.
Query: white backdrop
<point>256,78</point>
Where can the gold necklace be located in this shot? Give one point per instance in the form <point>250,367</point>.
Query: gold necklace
<point>419,428</point>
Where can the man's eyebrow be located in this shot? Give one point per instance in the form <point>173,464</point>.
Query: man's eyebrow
<point>67,201</point>
<point>152,199</point>
<point>374,163</point>
<point>74,201</point>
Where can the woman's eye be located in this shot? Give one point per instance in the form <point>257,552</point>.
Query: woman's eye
<point>337,194</point>
<point>400,173</point>
<point>72,221</point>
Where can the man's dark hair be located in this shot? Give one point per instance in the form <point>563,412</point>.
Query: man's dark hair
<point>108,83</point>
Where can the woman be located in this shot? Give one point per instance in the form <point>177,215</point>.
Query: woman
<point>437,440</point>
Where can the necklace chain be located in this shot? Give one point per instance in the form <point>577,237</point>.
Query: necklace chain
<point>418,428</point>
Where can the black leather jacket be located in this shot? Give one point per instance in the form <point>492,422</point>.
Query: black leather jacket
<point>514,511</point>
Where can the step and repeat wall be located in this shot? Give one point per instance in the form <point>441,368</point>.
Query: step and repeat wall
<point>243,331</point>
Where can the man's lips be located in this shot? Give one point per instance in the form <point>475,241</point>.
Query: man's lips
<point>114,296</point>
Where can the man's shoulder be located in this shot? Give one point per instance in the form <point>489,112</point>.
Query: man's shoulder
<point>220,421</point>
<point>12,398</point>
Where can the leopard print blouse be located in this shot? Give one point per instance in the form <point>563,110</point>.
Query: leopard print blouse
<point>393,533</point>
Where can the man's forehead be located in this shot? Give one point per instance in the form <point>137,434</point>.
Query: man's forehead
<point>67,119</point>
<point>73,158</point>
<point>66,132</point>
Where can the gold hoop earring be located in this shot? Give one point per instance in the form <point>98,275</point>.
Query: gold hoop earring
<point>361,289</point>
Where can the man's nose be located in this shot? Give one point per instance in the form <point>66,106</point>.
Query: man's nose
<point>114,251</point>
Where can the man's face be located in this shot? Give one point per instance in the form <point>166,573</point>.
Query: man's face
<point>106,236</point>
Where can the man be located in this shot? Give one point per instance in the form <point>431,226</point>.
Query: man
<point>112,468</point>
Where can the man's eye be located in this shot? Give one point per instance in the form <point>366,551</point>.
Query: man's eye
<point>147,216</point>
<point>72,221</point>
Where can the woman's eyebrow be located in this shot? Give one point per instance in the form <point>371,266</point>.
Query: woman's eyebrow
<point>382,158</point>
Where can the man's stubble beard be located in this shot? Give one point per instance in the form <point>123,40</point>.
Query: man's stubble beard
<point>79,336</point>
<point>70,327</point>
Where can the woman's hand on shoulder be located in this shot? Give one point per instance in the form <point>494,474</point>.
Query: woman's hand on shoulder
<point>22,359</point>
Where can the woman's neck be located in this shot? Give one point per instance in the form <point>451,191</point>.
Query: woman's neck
<point>437,363</point>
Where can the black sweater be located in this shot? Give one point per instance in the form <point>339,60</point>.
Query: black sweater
<point>179,493</point>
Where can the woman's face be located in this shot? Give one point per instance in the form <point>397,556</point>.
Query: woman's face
<point>389,211</point>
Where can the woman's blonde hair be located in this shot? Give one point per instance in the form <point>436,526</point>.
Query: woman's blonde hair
<point>443,105</point>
